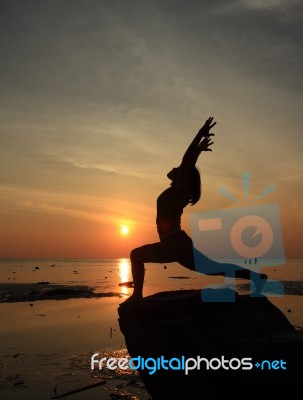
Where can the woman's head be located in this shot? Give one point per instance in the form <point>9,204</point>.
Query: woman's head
<point>193,183</point>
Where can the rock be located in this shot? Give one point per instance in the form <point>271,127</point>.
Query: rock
<point>11,293</point>
<point>176,324</point>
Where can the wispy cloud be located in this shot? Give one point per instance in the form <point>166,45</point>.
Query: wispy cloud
<point>16,201</point>
<point>267,4</point>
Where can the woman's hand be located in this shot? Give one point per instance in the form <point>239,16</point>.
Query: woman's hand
<point>205,143</point>
<point>200,143</point>
<point>204,131</point>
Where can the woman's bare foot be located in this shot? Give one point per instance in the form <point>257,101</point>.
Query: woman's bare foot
<point>133,299</point>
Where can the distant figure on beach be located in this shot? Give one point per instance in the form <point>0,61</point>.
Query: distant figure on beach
<point>175,245</point>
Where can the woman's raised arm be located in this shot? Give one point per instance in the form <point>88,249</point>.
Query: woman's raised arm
<point>200,143</point>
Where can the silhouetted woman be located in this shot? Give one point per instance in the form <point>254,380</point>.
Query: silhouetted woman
<point>175,245</point>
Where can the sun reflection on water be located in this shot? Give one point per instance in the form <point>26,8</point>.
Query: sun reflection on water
<point>124,273</point>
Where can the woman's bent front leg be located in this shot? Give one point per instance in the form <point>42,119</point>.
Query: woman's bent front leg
<point>138,272</point>
<point>155,253</point>
<point>137,266</point>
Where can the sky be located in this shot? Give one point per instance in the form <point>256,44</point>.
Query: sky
<point>100,99</point>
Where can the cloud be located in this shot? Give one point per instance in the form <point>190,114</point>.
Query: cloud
<point>16,201</point>
<point>267,4</point>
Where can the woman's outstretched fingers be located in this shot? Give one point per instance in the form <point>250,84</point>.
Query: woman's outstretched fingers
<point>205,143</point>
<point>207,126</point>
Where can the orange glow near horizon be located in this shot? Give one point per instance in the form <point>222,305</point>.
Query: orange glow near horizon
<point>42,235</point>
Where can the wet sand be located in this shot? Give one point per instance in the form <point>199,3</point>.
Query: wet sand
<point>46,349</point>
<point>51,376</point>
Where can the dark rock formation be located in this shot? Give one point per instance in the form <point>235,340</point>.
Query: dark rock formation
<point>16,292</point>
<point>176,324</point>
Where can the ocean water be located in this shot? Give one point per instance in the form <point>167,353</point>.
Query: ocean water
<point>84,324</point>
<point>105,275</point>
<point>102,274</point>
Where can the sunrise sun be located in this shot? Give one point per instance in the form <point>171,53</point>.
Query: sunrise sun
<point>124,230</point>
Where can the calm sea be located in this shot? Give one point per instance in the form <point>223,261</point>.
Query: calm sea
<point>106,274</point>
<point>88,322</point>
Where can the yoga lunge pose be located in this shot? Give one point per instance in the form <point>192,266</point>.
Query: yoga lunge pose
<point>175,245</point>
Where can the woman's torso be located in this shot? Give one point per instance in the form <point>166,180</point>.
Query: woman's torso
<point>170,205</point>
